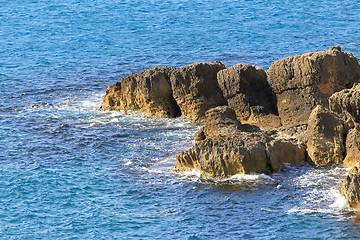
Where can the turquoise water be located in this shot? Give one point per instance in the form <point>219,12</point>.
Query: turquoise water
<point>70,171</point>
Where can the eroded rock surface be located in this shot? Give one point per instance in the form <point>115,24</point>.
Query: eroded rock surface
<point>225,147</point>
<point>149,91</point>
<point>350,189</point>
<point>325,137</point>
<point>303,82</point>
<point>168,92</point>
<point>246,90</point>
<point>352,145</point>
<point>196,90</point>
<point>265,118</point>
<point>347,104</point>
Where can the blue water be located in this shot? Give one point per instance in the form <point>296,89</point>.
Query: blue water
<point>70,171</point>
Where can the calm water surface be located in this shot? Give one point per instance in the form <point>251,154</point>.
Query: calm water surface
<point>70,171</point>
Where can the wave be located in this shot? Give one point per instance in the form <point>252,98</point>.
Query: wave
<point>317,189</point>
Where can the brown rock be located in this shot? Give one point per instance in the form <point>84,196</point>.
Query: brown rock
<point>296,131</point>
<point>349,188</point>
<point>226,147</point>
<point>352,145</point>
<point>325,137</point>
<point>196,89</point>
<point>149,92</point>
<point>247,91</point>
<point>347,104</point>
<point>220,121</point>
<point>354,169</point>
<point>303,82</point>
<point>285,150</point>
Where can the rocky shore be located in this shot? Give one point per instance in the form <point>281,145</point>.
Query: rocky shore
<point>302,109</point>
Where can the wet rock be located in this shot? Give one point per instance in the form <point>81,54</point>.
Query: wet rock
<point>303,82</point>
<point>227,147</point>
<point>246,90</point>
<point>349,188</point>
<point>325,137</point>
<point>149,92</point>
<point>196,90</point>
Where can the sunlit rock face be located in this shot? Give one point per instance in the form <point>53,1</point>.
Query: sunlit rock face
<point>225,147</point>
<point>300,83</point>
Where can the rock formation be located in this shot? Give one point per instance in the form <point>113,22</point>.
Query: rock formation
<point>303,82</point>
<point>300,109</point>
<point>347,104</point>
<point>247,91</point>
<point>196,90</point>
<point>279,101</point>
<point>168,92</point>
<point>325,137</point>
<point>225,147</point>
<point>350,189</point>
<point>352,145</point>
<point>149,91</point>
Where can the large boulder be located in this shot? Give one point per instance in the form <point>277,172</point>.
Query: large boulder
<point>350,189</point>
<point>225,147</point>
<point>149,92</point>
<point>246,90</point>
<point>303,82</point>
<point>196,90</point>
<point>325,137</point>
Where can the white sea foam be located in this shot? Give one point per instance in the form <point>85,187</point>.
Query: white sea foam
<point>128,162</point>
<point>318,189</point>
<point>304,210</point>
<point>269,210</point>
<point>248,177</point>
<point>191,173</point>
<point>340,201</point>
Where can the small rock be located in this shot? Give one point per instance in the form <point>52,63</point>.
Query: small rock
<point>349,188</point>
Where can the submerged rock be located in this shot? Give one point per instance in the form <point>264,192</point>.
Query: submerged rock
<point>303,82</point>
<point>225,147</point>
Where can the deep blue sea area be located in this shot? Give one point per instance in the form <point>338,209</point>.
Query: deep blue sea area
<point>71,171</point>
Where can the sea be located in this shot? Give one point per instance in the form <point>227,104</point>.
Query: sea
<point>71,171</point>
